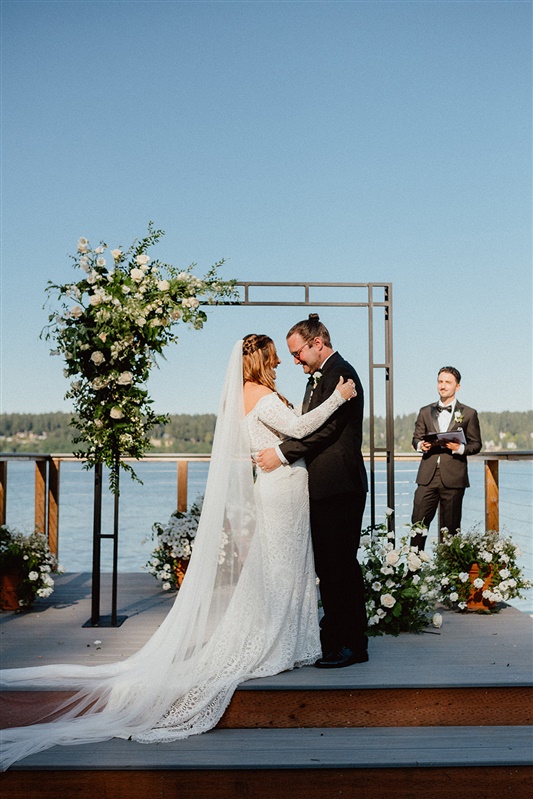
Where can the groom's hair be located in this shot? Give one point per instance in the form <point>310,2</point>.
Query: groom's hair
<point>310,329</point>
<point>453,371</point>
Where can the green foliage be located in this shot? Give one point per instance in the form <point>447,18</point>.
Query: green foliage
<point>50,432</point>
<point>112,324</point>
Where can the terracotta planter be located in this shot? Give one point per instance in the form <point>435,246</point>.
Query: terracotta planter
<point>179,570</point>
<point>9,584</point>
<point>476,600</point>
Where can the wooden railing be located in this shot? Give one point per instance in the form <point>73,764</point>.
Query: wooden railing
<point>47,483</point>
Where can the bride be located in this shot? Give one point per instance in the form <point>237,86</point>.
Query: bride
<point>247,607</point>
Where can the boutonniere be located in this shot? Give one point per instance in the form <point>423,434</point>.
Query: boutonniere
<point>458,417</point>
<point>316,377</point>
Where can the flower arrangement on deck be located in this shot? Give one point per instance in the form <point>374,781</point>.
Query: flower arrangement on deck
<point>400,587</point>
<point>478,562</point>
<point>28,560</point>
<point>112,324</point>
<point>170,558</point>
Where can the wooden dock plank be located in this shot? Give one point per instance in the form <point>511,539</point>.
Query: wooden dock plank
<point>428,747</point>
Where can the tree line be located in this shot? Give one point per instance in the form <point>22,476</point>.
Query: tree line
<point>193,433</point>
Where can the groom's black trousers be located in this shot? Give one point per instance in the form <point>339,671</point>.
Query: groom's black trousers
<point>336,531</point>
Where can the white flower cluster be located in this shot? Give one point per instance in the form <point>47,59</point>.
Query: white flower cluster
<point>400,587</point>
<point>30,556</point>
<point>113,323</point>
<point>175,542</point>
<point>499,578</point>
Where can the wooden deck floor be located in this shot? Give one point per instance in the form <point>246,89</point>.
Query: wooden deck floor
<point>469,650</point>
<point>427,717</point>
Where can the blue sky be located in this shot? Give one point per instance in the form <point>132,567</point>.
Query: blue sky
<point>300,141</point>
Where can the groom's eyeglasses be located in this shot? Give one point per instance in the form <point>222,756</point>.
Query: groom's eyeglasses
<point>297,353</point>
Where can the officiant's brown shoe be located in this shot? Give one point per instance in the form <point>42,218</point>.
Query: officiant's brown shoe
<point>340,658</point>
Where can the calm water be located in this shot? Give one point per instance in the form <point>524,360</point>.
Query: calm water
<point>142,505</point>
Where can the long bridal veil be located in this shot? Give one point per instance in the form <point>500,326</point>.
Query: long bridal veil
<point>171,676</point>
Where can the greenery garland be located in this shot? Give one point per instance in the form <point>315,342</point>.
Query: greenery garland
<point>112,324</point>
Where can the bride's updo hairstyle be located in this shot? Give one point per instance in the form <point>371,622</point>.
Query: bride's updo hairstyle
<point>259,361</point>
<point>311,328</point>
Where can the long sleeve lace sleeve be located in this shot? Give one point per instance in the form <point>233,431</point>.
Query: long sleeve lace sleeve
<point>275,414</point>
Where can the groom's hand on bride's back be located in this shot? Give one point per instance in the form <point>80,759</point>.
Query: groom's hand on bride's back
<point>267,460</point>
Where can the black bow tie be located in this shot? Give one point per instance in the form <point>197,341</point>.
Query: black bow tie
<point>442,408</point>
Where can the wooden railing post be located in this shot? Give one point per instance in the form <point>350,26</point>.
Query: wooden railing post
<point>53,504</point>
<point>183,471</point>
<point>492,507</point>
<point>3,491</point>
<point>40,496</point>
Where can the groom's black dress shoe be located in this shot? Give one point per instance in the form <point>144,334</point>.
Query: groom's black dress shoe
<point>340,658</point>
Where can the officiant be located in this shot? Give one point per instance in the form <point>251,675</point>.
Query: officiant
<point>446,432</point>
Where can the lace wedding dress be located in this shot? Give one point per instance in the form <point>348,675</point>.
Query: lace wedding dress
<point>247,607</point>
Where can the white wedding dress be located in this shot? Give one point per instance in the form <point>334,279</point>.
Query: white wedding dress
<point>247,607</point>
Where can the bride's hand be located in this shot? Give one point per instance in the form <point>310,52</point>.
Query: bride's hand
<point>346,388</point>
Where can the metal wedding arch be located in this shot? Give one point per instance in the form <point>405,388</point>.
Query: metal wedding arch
<point>378,301</point>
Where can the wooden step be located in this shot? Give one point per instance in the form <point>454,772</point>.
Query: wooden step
<point>430,762</point>
<point>383,707</point>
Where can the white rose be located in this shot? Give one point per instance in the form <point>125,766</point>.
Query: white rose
<point>116,413</point>
<point>392,557</point>
<point>137,275</point>
<point>95,299</point>
<point>416,579</point>
<point>83,244</point>
<point>142,259</point>
<point>125,379</point>
<point>376,586</point>
<point>387,600</point>
<point>463,576</point>
<point>163,285</point>
<point>437,620</point>
<point>413,562</point>
<point>76,312</point>
<point>100,262</point>
<point>486,556</point>
<point>33,576</point>
<point>454,596</point>
<point>97,357</point>
<point>190,302</point>
<point>479,583</point>
<point>117,254</point>
<point>504,573</point>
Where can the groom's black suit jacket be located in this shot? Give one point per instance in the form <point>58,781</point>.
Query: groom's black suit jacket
<point>453,468</point>
<point>333,452</point>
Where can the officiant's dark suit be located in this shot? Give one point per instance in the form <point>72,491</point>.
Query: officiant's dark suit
<point>337,489</point>
<point>443,474</point>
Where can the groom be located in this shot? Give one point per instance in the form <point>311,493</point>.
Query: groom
<point>337,490</point>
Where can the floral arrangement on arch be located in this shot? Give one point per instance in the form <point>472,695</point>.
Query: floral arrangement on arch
<point>400,587</point>
<point>30,558</point>
<point>113,323</point>
<point>174,543</point>
<point>499,578</point>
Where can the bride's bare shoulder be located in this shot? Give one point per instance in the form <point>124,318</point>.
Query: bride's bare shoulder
<point>253,393</point>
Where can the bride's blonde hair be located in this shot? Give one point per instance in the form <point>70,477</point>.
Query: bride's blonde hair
<point>259,361</point>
